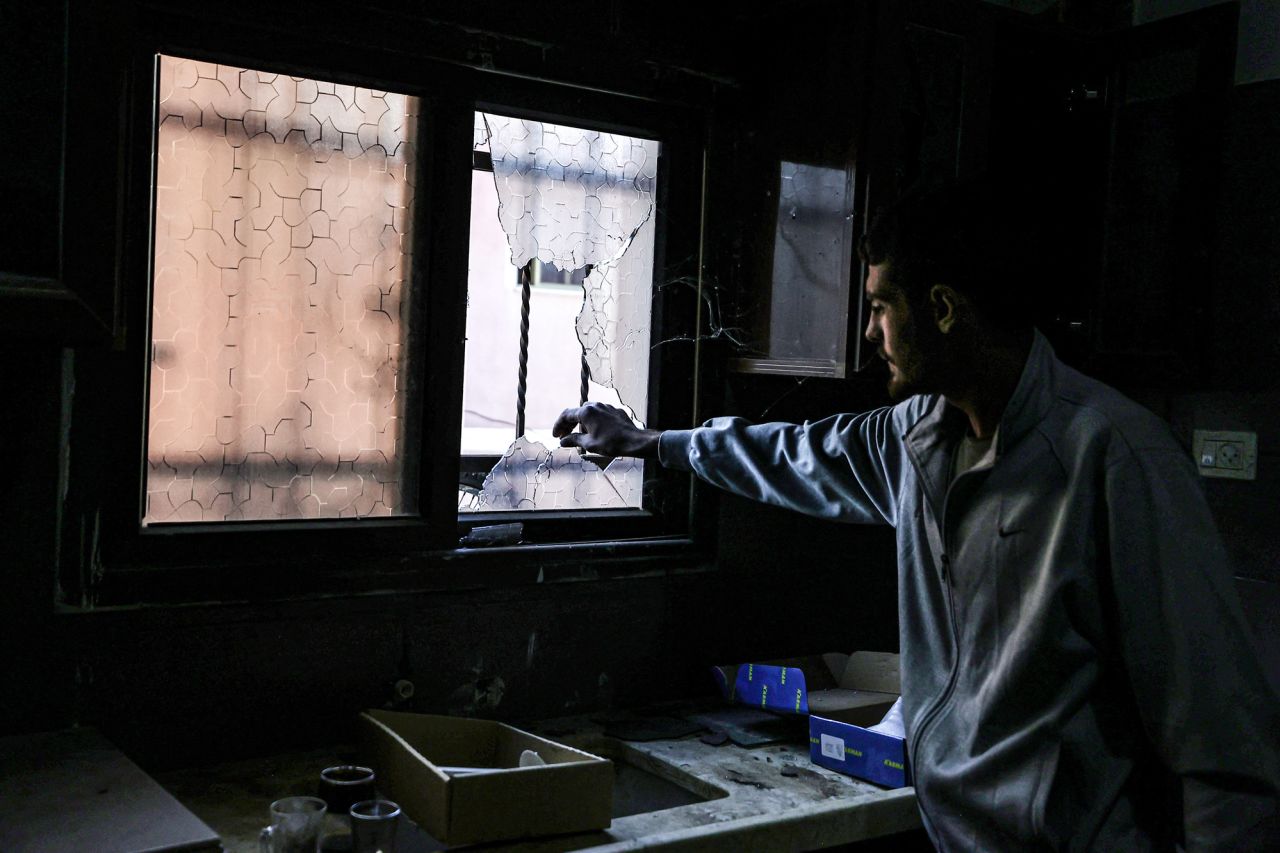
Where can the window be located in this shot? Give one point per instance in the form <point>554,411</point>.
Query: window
<point>811,301</point>
<point>283,413</point>
<point>288,346</point>
<point>576,205</point>
<point>282,251</point>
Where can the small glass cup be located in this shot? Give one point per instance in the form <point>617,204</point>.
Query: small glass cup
<point>295,826</point>
<point>373,826</point>
<point>344,785</point>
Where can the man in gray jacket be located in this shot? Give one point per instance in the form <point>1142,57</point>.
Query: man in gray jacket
<point>1076,669</point>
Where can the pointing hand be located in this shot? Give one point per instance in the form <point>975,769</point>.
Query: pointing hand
<point>606,430</point>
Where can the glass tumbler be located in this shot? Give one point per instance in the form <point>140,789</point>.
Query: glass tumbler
<point>343,786</point>
<point>295,826</point>
<point>373,826</point>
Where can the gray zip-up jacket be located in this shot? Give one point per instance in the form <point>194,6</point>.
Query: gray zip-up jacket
<point>1076,670</point>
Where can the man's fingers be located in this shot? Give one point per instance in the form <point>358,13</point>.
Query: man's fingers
<point>573,439</point>
<point>565,424</point>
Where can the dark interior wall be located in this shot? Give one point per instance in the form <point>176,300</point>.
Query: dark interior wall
<point>179,686</point>
<point>1243,296</point>
<point>36,684</point>
<point>1241,344</point>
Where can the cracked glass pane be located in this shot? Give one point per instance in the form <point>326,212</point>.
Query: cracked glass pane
<point>530,476</point>
<point>479,134</point>
<point>282,253</point>
<point>573,208</point>
<point>811,264</point>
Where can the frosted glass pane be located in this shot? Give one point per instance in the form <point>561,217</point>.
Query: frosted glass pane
<point>808,317</point>
<point>570,198</point>
<point>282,254</point>
<point>613,326</point>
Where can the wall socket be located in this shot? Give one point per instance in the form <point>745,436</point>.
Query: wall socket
<point>1225,454</point>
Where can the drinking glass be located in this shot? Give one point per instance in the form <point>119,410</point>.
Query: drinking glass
<point>343,786</point>
<point>373,826</point>
<point>295,826</point>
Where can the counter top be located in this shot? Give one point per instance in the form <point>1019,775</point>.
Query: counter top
<point>763,799</point>
<point>72,790</point>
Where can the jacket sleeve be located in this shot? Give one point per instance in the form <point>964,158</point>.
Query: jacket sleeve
<point>844,468</point>
<point>1204,699</point>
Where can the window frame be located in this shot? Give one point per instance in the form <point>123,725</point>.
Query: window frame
<point>107,557</point>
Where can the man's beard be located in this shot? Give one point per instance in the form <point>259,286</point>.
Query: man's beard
<point>918,372</point>
<point>903,384</point>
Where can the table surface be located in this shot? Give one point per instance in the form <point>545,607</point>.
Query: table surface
<point>763,809</point>
<point>73,791</point>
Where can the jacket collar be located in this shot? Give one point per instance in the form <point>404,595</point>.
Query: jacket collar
<point>931,439</point>
<point>1032,397</point>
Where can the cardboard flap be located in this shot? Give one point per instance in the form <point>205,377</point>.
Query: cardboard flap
<point>817,674</point>
<point>447,741</point>
<point>512,741</point>
<point>859,707</point>
<point>836,663</point>
<point>876,671</point>
<point>403,775</point>
<point>823,702</point>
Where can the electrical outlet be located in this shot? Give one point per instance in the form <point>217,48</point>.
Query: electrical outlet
<point>1226,454</point>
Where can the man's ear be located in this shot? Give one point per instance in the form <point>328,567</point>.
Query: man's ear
<point>946,306</point>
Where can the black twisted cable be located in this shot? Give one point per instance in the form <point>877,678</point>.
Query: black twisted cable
<point>523,375</point>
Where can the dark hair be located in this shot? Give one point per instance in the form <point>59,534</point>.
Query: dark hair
<point>964,235</point>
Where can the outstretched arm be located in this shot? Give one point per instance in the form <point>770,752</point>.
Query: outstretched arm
<point>846,467</point>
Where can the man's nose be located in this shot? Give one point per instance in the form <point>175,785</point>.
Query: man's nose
<point>873,331</point>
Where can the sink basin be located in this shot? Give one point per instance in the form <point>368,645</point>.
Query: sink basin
<point>643,784</point>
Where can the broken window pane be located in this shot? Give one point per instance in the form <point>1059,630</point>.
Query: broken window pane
<point>480,134</point>
<point>530,476</point>
<point>579,201</point>
<point>282,254</point>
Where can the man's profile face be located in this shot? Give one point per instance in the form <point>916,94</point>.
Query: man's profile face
<point>897,336</point>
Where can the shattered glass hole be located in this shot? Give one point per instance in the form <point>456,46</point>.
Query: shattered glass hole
<point>575,205</point>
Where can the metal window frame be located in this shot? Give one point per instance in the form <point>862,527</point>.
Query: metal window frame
<point>108,558</point>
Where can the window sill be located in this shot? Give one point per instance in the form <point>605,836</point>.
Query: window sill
<point>383,575</point>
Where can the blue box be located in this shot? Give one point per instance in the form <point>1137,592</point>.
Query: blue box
<point>855,751</point>
<point>780,686</point>
<point>843,695</point>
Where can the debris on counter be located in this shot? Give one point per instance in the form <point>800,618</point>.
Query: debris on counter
<point>715,738</point>
<point>743,779</point>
